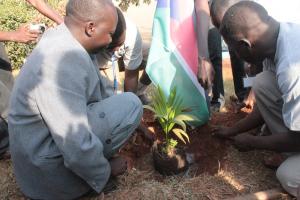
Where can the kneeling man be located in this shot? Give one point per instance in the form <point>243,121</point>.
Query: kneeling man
<point>62,131</point>
<point>256,37</point>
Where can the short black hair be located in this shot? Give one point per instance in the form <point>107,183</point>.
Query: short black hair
<point>120,29</point>
<point>219,7</point>
<point>238,19</point>
<point>85,10</point>
<point>121,26</point>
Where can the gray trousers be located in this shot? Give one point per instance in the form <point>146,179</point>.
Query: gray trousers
<point>6,84</point>
<point>121,114</point>
<point>269,103</point>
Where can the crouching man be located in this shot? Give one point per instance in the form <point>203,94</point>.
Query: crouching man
<point>62,131</point>
<point>127,52</point>
<point>256,37</point>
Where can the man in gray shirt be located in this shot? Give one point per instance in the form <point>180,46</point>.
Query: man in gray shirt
<point>63,132</point>
<point>257,37</point>
<point>288,13</point>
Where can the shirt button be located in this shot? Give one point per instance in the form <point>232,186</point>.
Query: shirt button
<point>108,141</point>
<point>102,115</point>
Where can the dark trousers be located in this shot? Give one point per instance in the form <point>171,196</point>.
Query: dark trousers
<point>6,80</point>
<point>238,72</point>
<point>4,62</point>
<point>215,55</point>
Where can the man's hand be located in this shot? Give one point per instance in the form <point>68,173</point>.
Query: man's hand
<point>3,128</point>
<point>205,73</point>
<point>244,142</point>
<point>248,102</point>
<point>118,166</point>
<point>146,133</point>
<point>24,35</point>
<point>224,132</point>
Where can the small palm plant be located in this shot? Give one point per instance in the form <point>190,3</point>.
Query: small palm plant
<point>170,111</point>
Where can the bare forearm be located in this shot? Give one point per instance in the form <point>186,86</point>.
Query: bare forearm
<point>46,10</point>
<point>280,142</point>
<point>253,120</point>
<point>7,36</point>
<point>22,34</point>
<point>202,26</point>
<point>131,80</point>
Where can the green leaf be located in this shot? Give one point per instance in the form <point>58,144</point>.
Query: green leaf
<point>170,111</point>
<point>178,132</point>
<point>172,96</point>
<point>158,116</point>
<point>180,123</point>
<point>170,126</point>
<point>171,143</point>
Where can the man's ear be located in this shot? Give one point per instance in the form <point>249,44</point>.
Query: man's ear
<point>245,43</point>
<point>90,28</point>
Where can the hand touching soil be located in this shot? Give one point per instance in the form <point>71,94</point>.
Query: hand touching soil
<point>223,132</point>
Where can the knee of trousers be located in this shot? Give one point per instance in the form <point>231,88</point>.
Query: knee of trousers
<point>133,107</point>
<point>125,129</point>
<point>288,178</point>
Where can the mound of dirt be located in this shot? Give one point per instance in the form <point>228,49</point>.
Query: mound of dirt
<point>207,153</point>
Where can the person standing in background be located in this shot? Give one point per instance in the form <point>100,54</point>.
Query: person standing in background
<point>23,35</point>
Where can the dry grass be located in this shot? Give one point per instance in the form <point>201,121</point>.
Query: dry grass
<point>244,173</point>
<point>8,186</point>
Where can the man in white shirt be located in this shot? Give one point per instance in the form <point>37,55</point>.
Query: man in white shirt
<point>283,12</point>
<point>256,37</point>
<point>126,52</point>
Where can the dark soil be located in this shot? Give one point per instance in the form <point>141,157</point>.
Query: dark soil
<point>172,163</point>
<point>207,152</point>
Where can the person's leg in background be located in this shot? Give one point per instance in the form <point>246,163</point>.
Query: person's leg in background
<point>238,72</point>
<point>144,80</point>
<point>215,54</point>
<point>6,84</point>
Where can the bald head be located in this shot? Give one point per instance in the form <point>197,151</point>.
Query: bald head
<point>218,9</point>
<point>86,10</point>
<point>91,22</point>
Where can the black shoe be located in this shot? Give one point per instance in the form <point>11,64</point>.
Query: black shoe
<point>3,138</point>
<point>3,129</point>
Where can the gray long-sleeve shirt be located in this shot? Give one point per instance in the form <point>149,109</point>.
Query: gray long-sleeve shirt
<point>54,151</point>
